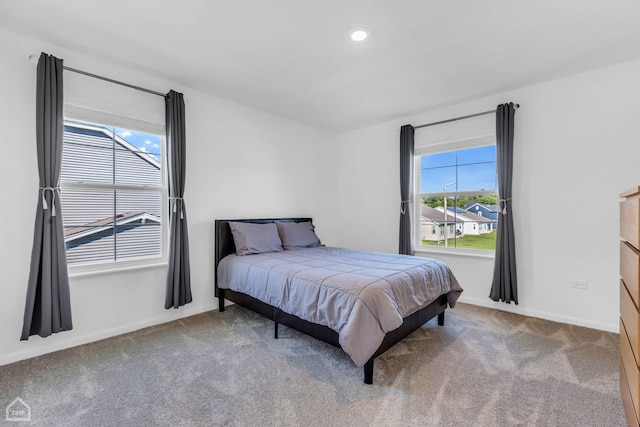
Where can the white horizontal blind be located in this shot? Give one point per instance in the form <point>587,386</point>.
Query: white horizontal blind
<point>111,194</point>
<point>457,135</point>
<point>88,115</point>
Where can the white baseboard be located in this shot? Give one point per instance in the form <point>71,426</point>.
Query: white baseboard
<point>512,308</point>
<point>5,359</point>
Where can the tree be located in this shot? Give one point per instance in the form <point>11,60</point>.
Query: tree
<point>460,201</point>
<point>486,199</point>
<point>434,202</point>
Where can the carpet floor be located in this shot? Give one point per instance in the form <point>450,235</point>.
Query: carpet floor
<point>483,368</point>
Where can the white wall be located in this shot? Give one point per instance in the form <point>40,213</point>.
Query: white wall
<point>241,163</point>
<point>576,149</point>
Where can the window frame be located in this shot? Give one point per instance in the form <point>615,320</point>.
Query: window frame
<point>98,118</point>
<point>462,144</point>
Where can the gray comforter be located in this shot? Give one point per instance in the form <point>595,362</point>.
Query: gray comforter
<point>360,295</point>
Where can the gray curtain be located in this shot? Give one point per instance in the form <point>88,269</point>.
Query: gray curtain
<point>505,280</point>
<point>406,189</point>
<point>178,276</point>
<point>48,307</point>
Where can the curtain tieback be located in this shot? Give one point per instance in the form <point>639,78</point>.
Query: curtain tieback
<point>403,205</point>
<point>45,205</point>
<point>175,204</point>
<point>504,204</point>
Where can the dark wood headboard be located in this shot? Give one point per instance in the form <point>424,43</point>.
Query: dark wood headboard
<point>224,244</point>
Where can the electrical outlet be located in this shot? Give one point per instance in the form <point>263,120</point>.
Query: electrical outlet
<point>580,284</point>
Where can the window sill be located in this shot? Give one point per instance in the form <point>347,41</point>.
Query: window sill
<point>456,252</point>
<point>96,270</point>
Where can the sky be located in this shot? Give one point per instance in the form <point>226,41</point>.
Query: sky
<point>461,170</point>
<point>145,142</point>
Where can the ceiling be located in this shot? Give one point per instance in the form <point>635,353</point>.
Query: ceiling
<point>294,57</point>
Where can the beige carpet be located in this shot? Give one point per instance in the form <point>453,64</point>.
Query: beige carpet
<point>483,368</point>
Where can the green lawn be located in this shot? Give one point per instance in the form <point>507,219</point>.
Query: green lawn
<point>483,241</point>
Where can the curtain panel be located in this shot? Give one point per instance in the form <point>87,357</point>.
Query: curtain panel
<point>48,307</point>
<point>505,281</point>
<point>178,292</point>
<point>406,190</point>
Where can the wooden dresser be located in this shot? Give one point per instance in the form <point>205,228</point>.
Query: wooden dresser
<point>629,303</point>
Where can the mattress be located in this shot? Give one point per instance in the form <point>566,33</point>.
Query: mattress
<point>360,295</point>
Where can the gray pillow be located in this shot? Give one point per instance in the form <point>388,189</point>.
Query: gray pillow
<point>297,235</point>
<point>253,238</point>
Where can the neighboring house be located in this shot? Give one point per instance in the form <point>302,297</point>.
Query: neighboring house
<point>458,223</point>
<point>470,223</point>
<point>487,211</point>
<point>432,224</point>
<point>97,237</point>
<point>96,155</point>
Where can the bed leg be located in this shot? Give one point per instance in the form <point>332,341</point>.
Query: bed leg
<point>275,330</point>
<point>220,300</point>
<point>441,319</point>
<point>368,372</point>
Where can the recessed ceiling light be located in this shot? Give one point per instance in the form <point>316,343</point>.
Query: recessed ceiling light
<point>359,35</point>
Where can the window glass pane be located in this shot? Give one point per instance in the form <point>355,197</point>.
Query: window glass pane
<point>96,248</point>
<point>88,224</point>
<point>438,160</point>
<point>475,155</point>
<point>81,206</point>
<point>105,223</point>
<point>87,154</point>
<point>91,152</point>
<point>138,239</point>
<point>462,170</point>
<point>479,176</point>
<point>434,180</point>
<point>137,158</point>
<point>138,231</point>
<point>469,222</point>
<point>138,201</point>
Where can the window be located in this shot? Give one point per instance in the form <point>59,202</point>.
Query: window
<point>454,186</point>
<point>112,193</point>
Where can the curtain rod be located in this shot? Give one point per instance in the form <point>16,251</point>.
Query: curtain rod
<point>34,58</point>
<point>516,106</point>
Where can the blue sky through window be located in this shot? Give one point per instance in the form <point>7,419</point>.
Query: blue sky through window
<point>145,142</point>
<point>470,169</point>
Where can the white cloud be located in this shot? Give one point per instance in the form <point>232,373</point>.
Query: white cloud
<point>156,145</point>
<point>147,142</point>
<point>143,149</point>
<point>125,133</point>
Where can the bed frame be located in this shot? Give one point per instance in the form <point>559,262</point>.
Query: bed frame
<point>224,245</point>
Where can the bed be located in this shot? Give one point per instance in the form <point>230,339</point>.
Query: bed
<point>353,289</point>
